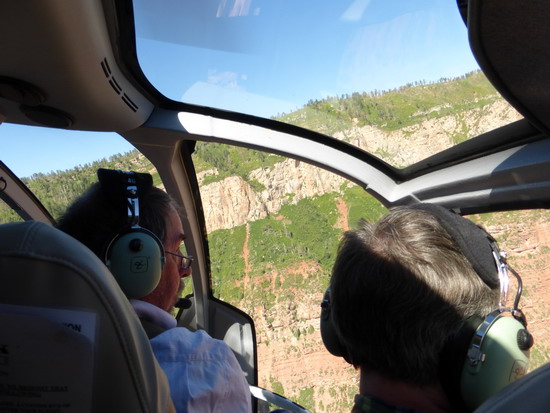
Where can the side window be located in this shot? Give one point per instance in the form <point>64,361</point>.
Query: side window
<point>273,228</point>
<point>7,214</point>
<point>63,164</point>
<point>59,165</point>
<point>57,190</point>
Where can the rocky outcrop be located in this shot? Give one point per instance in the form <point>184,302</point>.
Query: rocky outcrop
<point>233,202</point>
<point>414,143</point>
<point>230,203</point>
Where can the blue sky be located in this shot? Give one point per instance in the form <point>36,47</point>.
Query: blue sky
<point>362,45</point>
<point>214,55</point>
<point>34,149</point>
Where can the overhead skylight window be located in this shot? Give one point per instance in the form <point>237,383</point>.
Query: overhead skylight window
<point>370,72</point>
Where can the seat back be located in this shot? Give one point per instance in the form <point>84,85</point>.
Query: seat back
<point>528,394</point>
<point>69,339</point>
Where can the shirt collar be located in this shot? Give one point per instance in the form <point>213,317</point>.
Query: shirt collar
<point>153,314</point>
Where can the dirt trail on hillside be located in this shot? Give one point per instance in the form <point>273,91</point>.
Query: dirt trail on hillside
<point>342,221</point>
<point>246,252</point>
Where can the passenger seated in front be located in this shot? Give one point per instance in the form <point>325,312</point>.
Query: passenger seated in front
<point>406,297</point>
<point>123,218</point>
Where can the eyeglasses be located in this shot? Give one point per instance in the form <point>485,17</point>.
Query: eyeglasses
<point>185,260</point>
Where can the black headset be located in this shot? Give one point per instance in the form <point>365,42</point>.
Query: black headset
<point>488,352</point>
<point>135,256</point>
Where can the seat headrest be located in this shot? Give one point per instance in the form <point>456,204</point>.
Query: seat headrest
<point>69,335</point>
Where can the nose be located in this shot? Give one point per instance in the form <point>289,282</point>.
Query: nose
<point>185,273</point>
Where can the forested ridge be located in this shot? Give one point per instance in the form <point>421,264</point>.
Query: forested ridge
<point>397,108</point>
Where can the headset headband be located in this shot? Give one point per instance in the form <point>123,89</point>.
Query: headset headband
<point>133,202</point>
<point>474,242</point>
<point>123,187</point>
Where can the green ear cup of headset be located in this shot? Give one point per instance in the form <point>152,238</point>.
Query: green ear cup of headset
<point>502,362</point>
<point>136,260</point>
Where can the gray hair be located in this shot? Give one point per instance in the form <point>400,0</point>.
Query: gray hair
<point>399,289</point>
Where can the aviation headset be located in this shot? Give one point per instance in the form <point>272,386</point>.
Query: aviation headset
<point>135,256</point>
<point>487,353</point>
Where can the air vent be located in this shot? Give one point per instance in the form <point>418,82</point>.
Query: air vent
<point>116,87</point>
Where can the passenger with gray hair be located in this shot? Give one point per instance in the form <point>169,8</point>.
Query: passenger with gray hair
<point>416,303</point>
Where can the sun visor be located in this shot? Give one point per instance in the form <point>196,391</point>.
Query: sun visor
<point>509,39</point>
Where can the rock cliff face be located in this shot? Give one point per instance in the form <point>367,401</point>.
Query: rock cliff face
<point>233,201</point>
<point>230,203</point>
<point>414,143</point>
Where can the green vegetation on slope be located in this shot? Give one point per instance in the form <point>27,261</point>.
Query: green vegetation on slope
<point>301,232</point>
<point>7,214</point>
<point>230,160</point>
<point>362,206</point>
<point>395,109</point>
<point>227,262</point>
<point>57,190</point>
<point>304,232</point>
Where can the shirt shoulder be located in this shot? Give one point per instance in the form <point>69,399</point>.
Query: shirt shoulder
<point>203,372</point>
<point>180,342</point>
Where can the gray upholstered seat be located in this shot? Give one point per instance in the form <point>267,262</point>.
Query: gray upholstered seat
<point>69,339</point>
<point>528,394</point>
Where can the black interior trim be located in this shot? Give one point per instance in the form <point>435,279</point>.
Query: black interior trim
<point>508,54</point>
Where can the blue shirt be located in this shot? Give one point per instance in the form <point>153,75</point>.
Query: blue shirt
<point>203,372</point>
